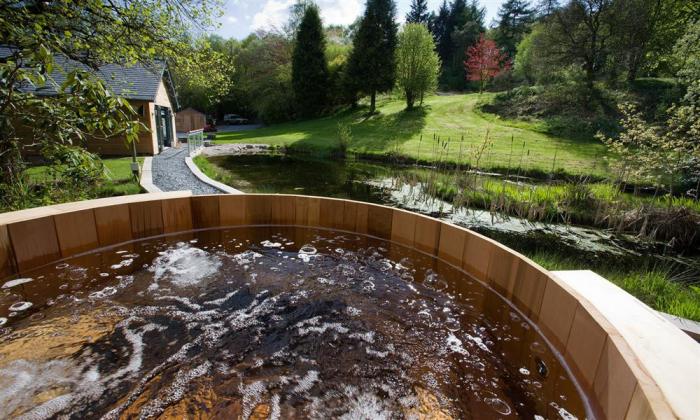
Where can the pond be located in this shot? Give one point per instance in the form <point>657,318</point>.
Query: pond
<point>405,186</point>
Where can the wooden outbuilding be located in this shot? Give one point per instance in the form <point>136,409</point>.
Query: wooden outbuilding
<point>189,119</point>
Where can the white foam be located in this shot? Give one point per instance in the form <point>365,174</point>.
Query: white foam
<point>3,321</point>
<point>247,257</point>
<point>252,395</point>
<point>270,244</point>
<point>106,292</point>
<point>306,383</point>
<point>479,342</point>
<point>123,263</point>
<point>365,406</point>
<point>455,345</point>
<point>184,265</point>
<point>367,337</point>
<point>221,300</point>
<point>16,282</point>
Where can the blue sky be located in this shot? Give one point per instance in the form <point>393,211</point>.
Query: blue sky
<point>244,16</point>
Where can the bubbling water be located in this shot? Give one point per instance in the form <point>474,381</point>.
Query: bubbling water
<point>270,322</point>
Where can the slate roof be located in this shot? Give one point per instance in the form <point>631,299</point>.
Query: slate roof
<point>137,82</point>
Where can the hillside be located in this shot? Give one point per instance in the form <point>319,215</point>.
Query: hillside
<point>451,117</point>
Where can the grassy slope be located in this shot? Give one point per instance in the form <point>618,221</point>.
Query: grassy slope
<point>450,117</point>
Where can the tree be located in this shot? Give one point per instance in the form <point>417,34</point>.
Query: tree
<point>417,63</point>
<point>419,12</point>
<point>485,61</point>
<point>442,31</point>
<point>579,33</point>
<point>514,20</point>
<point>89,32</point>
<point>309,67</point>
<point>203,82</point>
<point>372,63</point>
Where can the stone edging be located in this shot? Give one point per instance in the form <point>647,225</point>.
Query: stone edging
<point>146,180</point>
<point>205,179</point>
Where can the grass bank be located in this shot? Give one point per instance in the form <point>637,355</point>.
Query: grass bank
<point>675,220</point>
<point>658,287</point>
<point>449,129</point>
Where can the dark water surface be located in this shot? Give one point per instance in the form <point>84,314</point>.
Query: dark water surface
<point>270,322</point>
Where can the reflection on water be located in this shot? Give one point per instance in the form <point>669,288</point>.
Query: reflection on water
<point>270,323</point>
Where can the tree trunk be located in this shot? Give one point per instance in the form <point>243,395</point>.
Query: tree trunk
<point>410,100</point>
<point>421,98</point>
<point>373,102</point>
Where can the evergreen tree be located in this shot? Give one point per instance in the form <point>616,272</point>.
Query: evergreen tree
<point>514,20</point>
<point>442,33</point>
<point>309,67</point>
<point>419,12</point>
<point>372,64</point>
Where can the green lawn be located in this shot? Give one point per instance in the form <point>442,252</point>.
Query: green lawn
<point>451,117</point>
<point>119,181</point>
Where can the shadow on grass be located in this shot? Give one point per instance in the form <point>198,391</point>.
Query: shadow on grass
<point>377,132</point>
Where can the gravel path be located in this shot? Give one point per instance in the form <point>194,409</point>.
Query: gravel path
<point>170,173</point>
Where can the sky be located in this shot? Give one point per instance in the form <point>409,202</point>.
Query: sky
<point>242,17</point>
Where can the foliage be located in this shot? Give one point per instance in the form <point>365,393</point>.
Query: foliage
<point>264,74</point>
<point>45,185</point>
<point>456,27</point>
<point>417,63</point>
<point>202,81</point>
<point>309,67</point>
<point>485,61</point>
<point>344,139</point>
<point>514,20</point>
<point>372,63</point>
<point>659,287</point>
<point>418,12</point>
<point>42,35</point>
<point>655,154</point>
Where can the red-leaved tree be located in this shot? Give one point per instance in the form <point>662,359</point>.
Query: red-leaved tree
<point>485,61</point>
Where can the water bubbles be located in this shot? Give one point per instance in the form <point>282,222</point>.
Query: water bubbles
<point>498,405</point>
<point>20,306</point>
<point>368,285</point>
<point>269,244</point>
<point>524,371</point>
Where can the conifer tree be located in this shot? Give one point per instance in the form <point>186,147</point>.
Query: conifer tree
<point>309,67</point>
<point>372,64</point>
<point>418,13</point>
<point>514,20</point>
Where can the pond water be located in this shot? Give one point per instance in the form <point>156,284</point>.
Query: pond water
<point>270,322</point>
<point>399,186</point>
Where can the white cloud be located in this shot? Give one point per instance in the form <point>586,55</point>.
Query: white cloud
<point>231,19</point>
<point>340,12</point>
<point>333,12</point>
<point>273,14</point>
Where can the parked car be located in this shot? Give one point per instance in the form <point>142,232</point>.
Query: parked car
<point>210,128</point>
<point>234,119</point>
